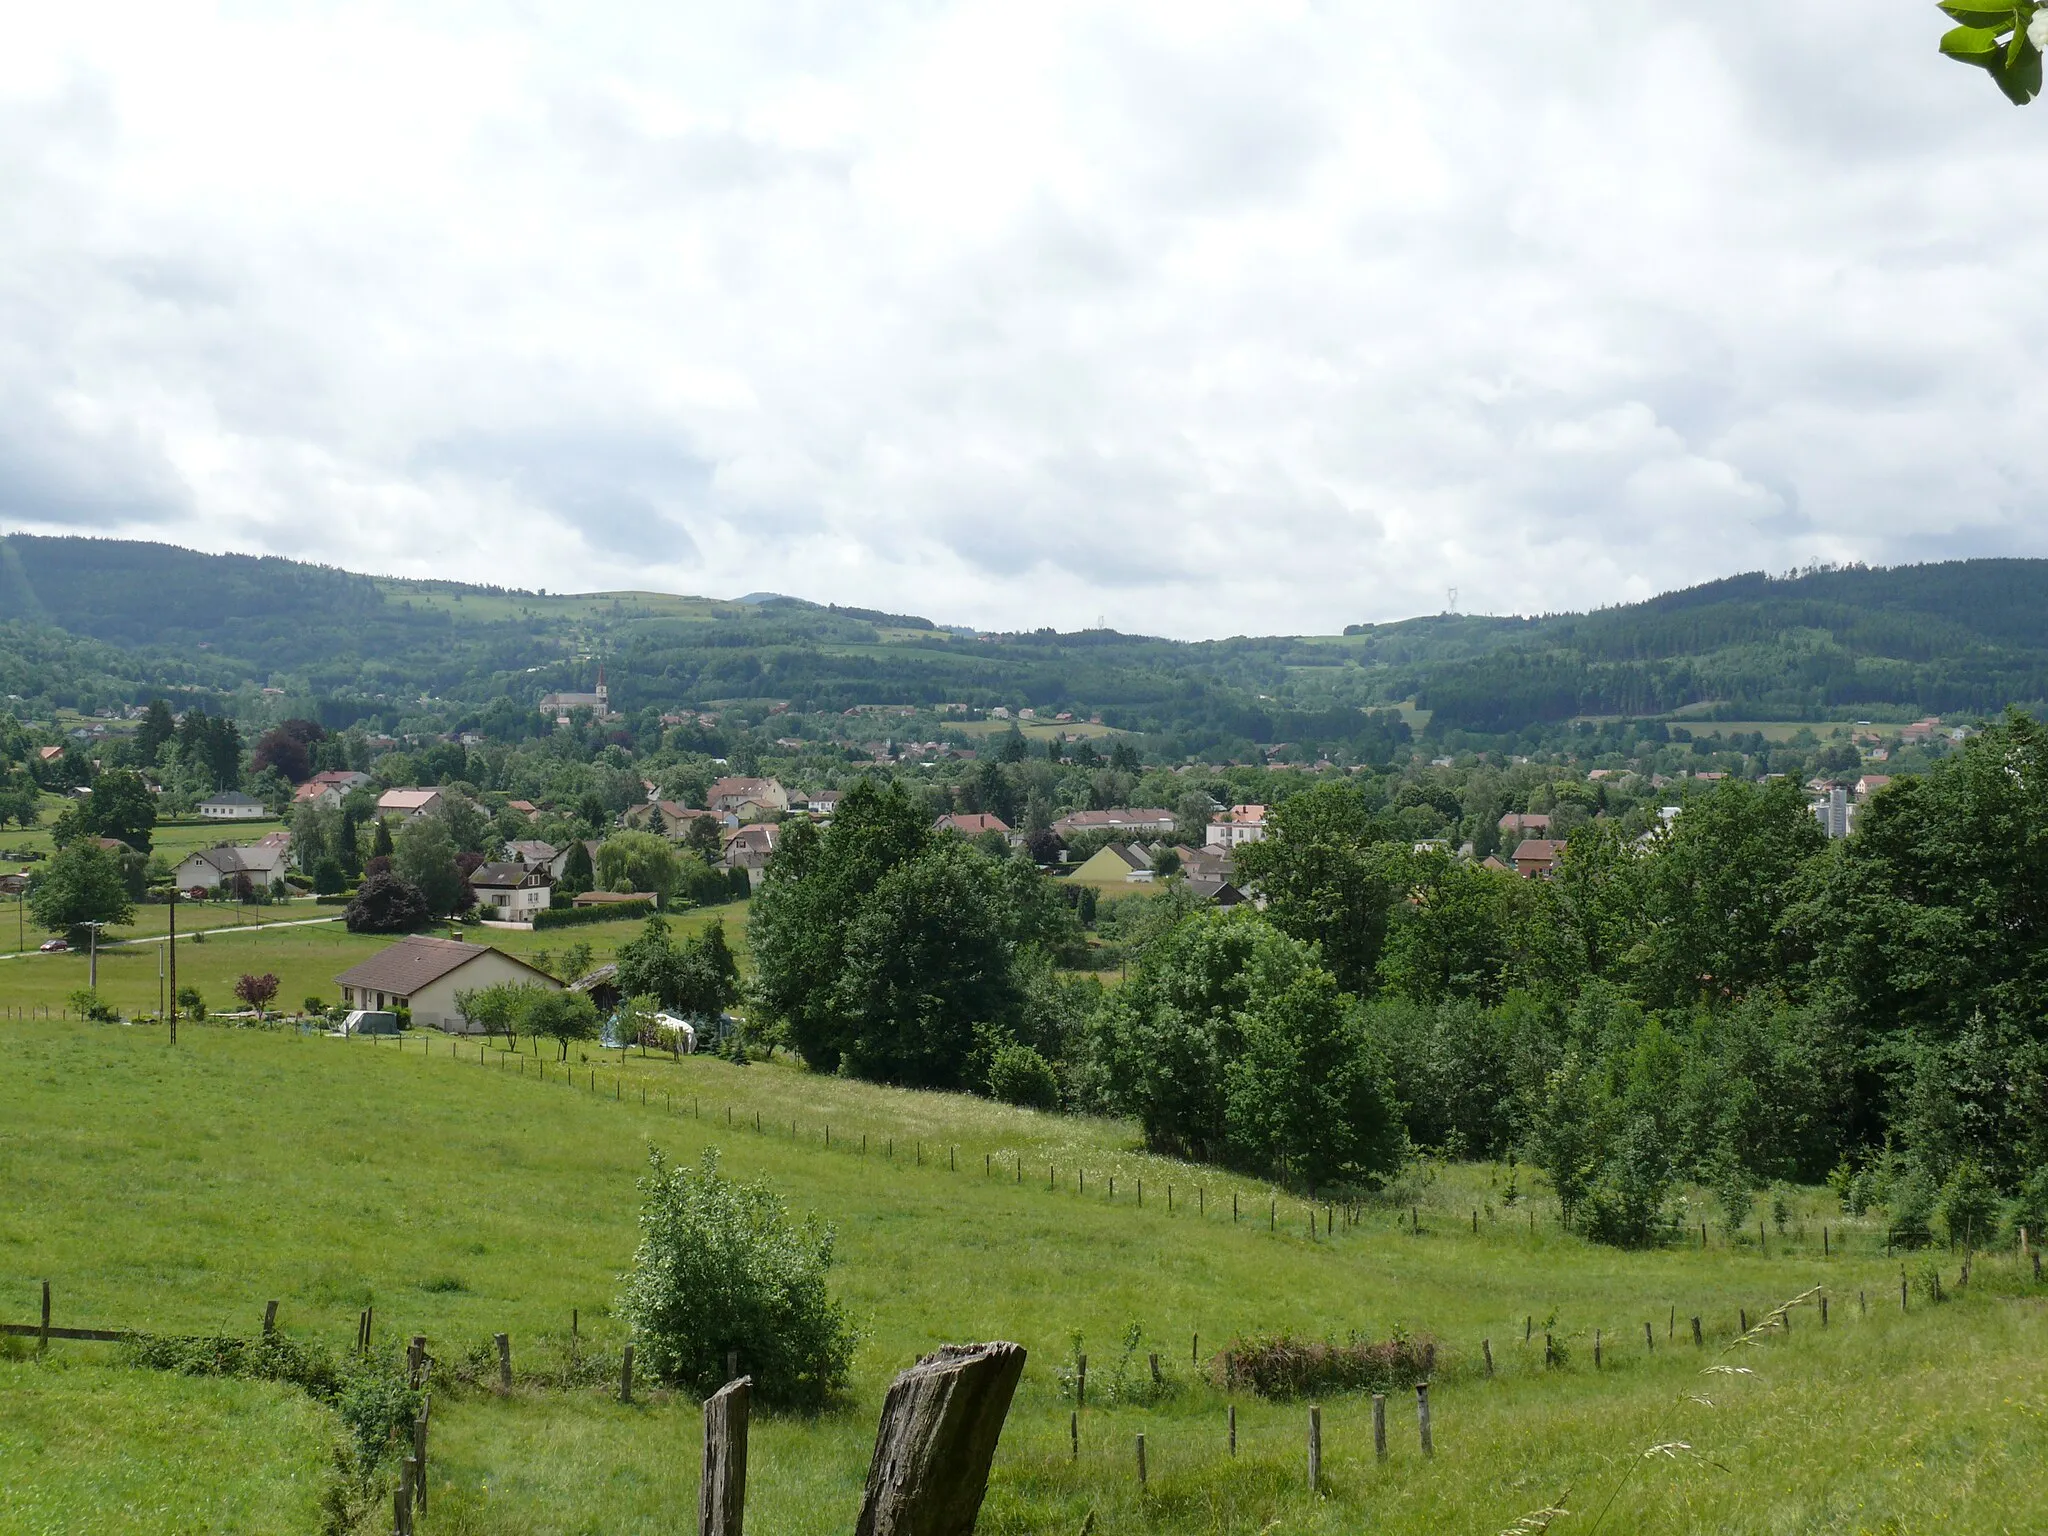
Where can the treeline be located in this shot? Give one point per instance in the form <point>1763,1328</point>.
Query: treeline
<point>1730,1000</point>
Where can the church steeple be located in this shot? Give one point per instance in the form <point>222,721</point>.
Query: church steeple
<point>604,697</point>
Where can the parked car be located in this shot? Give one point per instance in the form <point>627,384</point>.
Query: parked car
<point>55,946</point>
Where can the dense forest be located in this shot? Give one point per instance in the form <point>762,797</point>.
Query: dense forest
<point>90,624</point>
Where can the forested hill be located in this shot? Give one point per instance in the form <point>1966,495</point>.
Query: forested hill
<point>91,623</point>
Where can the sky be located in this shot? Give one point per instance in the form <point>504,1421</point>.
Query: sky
<point>1192,319</point>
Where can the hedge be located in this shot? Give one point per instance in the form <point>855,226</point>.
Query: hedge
<point>337,899</point>
<point>611,911</point>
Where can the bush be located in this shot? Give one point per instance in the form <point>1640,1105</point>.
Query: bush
<point>611,911</point>
<point>1019,1075</point>
<point>1911,1207</point>
<point>1968,1207</point>
<point>386,904</point>
<point>721,1267</point>
<point>1284,1366</point>
<point>1629,1203</point>
<point>2029,1207</point>
<point>93,1008</point>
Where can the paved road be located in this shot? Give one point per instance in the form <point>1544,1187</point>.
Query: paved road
<point>297,922</point>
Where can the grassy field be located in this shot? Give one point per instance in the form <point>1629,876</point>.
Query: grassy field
<point>174,840</point>
<point>305,959</point>
<point>462,1195</point>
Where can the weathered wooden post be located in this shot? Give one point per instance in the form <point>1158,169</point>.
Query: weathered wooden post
<point>504,1343</point>
<point>270,1317</point>
<point>938,1435</point>
<point>1233,1429</point>
<point>1422,1417</point>
<point>1486,1349</point>
<point>1080,1381</point>
<point>722,1495</point>
<point>1596,1349</point>
<point>1823,1309</point>
<point>1698,1338</point>
<point>626,1375</point>
<point>1649,1339</point>
<point>1154,1359</point>
<point>1141,1458</point>
<point>1074,1434</point>
<point>1315,1449</point>
<point>1379,1425</point>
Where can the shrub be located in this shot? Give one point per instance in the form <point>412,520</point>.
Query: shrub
<point>721,1267</point>
<point>93,1008</point>
<point>1968,1207</point>
<point>1124,1381</point>
<point>1284,1366</point>
<point>256,991</point>
<point>610,912</point>
<point>2029,1207</point>
<point>1017,1074</point>
<point>191,1003</point>
<point>313,1005</point>
<point>1911,1207</point>
<point>1629,1203</point>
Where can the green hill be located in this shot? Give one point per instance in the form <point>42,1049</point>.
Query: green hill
<point>85,623</point>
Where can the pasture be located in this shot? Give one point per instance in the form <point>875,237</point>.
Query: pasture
<point>461,1193</point>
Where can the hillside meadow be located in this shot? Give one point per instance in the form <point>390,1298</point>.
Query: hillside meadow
<point>460,1194</point>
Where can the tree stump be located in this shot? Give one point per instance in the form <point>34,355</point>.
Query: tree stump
<point>938,1435</point>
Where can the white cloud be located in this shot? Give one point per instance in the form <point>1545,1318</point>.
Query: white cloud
<point>1208,319</point>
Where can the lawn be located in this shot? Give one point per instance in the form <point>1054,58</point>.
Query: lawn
<point>461,1194</point>
<point>304,958</point>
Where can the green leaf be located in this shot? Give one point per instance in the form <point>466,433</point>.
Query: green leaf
<point>1973,45</point>
<point>2021,81</point>
<point>1994,17</point>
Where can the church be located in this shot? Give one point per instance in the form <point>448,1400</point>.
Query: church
<point>599,703</point>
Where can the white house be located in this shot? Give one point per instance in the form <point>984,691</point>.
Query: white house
<point>233,805</point>
<point>512,893</point>
<point>408,803</point>
<point>424,974</point>
<point>1239,824</point>
<point>210,868</point>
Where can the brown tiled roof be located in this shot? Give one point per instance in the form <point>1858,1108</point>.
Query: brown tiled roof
<point>509,875</point>
<point>971,824</point>
<point>405,967</point>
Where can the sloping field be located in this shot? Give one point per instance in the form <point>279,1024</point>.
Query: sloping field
<point>462,1196</point>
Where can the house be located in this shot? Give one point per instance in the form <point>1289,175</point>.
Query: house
<point>233,805</point>
<point>48,754</point>
<point>822,802</point>
<point>1870,784</point>
<point>1208,861</point>
<point>750,848</point>
<point>424,974</point>
<point>1216,889</point>
<point>535,854</point>
<point>675,817</point>
<point>313,792</point>
<point>257,864</point>
<point>525,808</point>
<point>1115,864</point>
<point>408,803</point>
<point>1520,824</point>
<point>512,892</point>
<point>747,799</point>
<point>972,825</point>
<point>1158,823</point>
<point>1239,824</point>
<point>1536,856</point>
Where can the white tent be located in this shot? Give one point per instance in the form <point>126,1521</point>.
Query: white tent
<point>684,1031</point>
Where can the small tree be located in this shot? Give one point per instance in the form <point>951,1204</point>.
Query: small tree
<point>576,961</point>
<point>91,1007</point>
<point>256,991</point>
<point>562,1017</point>
<point>721,1268</point>
<point>1969,1207</point>
<point>500,1008</point>
<point>191,1004</point>
<point>385,903</point>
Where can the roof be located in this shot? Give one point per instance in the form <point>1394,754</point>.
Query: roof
<point>231,797</point>
<point>1535,849</point>
<point>1525,821</point>
<point>340,778</point>
<point>49,754</point>
<point>1215,888</point>
<point>407,799</point>
<point>509,875</point>
<point>1115,819</point>
<point>521,805</point>
<point>533,851</point>
<point>971,825</point>
<point>405,967</point>
<point>1240,816</point>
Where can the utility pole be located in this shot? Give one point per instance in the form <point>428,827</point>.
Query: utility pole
<point>92,949</point>
<point>172,949</point>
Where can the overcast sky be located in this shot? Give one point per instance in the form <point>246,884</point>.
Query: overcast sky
<point>1198,319</point>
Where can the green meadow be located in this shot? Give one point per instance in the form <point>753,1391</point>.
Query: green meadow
<point>460,1193</point>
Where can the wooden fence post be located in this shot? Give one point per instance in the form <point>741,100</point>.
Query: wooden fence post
<point>722,1495</point>
<point>1698,1338</point>
<point>940,1424</point>
<point>1649,1339</point>
<point>1141,1458</point>
<point>1080,1381</point>
<point>1422,1417</point>
<point>1379,1425</point>
<point>626,1375</point>
<point>1154,1359</point>
<point>504,1343</point>
<point>270,1317</point>
<point>1074,1434</point>
<point>1315,1449</point>
<point>1596,1349</point>
<point>43,1343</point>
<point>1233,1429</point>
<point>1486,1349</point>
